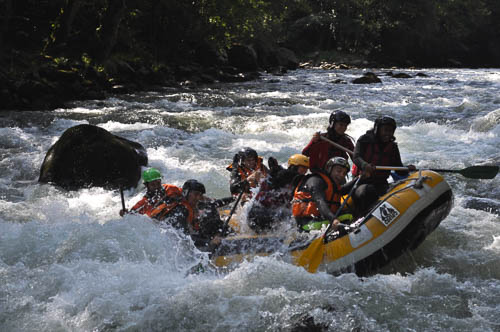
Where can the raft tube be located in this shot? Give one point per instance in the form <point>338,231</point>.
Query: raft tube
<point>399,221</point>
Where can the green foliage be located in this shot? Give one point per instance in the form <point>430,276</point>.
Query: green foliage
<point>86,59</point>
<point>230,21</point>
<point>161,31</point>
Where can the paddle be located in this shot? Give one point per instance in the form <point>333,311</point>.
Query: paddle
<point>338,146</point>
<point>121,182</point>
<point>123,199</point>
<point>472,172</point>
<point>234,207</point>
<point>311,258</point>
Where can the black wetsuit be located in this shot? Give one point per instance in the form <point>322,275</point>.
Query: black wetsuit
<point>370,150</point>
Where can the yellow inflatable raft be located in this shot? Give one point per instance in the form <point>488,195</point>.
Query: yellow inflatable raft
<point>399,221</point>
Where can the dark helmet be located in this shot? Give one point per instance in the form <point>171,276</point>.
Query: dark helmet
<point>336,161</point>
<point>339,116</point>
<point>191,185</point>
<point>247,153</point>
<point>384,120</point>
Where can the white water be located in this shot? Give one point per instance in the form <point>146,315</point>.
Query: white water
<point>69,263</point>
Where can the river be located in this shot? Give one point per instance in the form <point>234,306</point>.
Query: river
<point>68,262</point>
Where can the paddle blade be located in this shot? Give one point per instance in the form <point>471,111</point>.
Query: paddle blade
<point>473,172</point>
<point>480,172</point>
<point>311,258</point>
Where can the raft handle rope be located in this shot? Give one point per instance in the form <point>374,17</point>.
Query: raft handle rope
<point>419,183</point>
<point>355,227</point>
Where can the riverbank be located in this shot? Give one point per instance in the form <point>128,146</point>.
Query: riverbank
<point>49,83</point>
<point>70,262</point>
<point>45,83</point>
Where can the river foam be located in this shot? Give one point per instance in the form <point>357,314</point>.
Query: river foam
<point>69,262</point>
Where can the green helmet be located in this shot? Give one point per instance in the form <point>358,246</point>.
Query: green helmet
<point>151,174</point>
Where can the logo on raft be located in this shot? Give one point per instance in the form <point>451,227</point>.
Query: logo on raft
<point>386,213</point>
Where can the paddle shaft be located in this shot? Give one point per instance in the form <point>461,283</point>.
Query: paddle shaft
<point>342,206</point>
<point>395,168</point>
<point>234,207</point>
<point>472,172</point>
<point>123,199</point>
<point>338,146</point>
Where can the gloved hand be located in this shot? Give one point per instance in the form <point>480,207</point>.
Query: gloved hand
<point>368,170</point>
<point>274,167</point>
<point>272,162</point>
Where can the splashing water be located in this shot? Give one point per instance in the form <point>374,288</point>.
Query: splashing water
<point>69,262</point>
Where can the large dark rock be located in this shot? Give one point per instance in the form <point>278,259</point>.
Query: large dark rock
<point>87,155</point>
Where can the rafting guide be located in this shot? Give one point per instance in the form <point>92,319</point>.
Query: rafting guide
<point>377,147</point>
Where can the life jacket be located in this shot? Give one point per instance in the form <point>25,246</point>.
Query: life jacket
<point>146,205</point>
<point>173,196</point>
<point>246,172</point>
<point>378,157</point>
<point>320,152</point>
<point>343,140</point>
<point>303,204</point>
<point>173,200</point>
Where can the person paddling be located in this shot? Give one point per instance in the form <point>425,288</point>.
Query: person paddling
<point>272,203</point>
<point>319,151</point>
<point>197,220</point>
<point>317,198</point>
<point>155,192</point>
<point>377,147</point>
<point>247,170</point>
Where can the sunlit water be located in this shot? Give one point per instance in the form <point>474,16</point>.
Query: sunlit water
<point>68,262</point>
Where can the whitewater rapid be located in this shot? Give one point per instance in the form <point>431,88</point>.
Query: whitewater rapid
<point>68,262</point>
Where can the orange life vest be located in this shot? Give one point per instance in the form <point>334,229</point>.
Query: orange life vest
<point>162,210</point>
<point>246,172</point>
<point>303,204</point>
<point>146,206</point>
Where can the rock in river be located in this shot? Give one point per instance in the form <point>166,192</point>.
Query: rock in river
<point>87,155</point>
